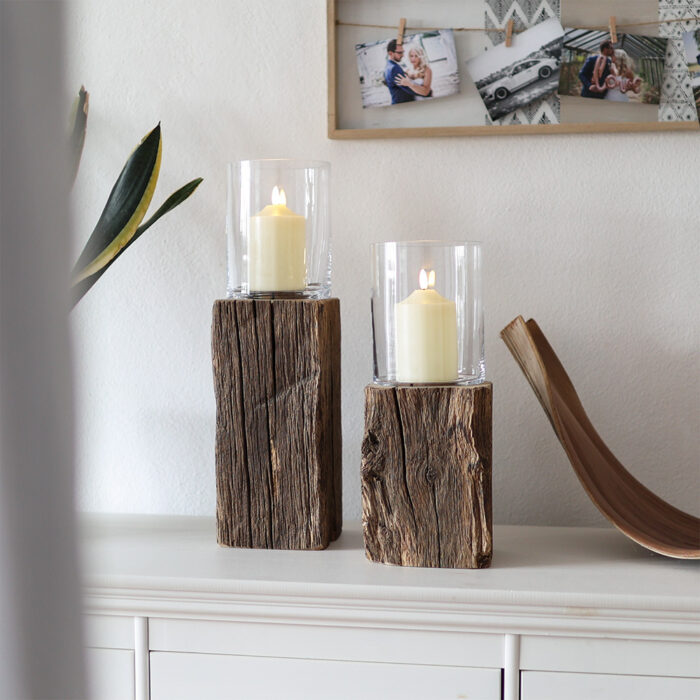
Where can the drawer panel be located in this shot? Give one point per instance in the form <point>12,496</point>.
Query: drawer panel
<point>109,631</point>
<point>618,656</point>
<point>585,686</point>
<point>332,643</point>
<point>186,676</point>
<point>110,674</point>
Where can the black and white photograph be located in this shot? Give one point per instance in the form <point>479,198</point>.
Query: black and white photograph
<point>424,67</point>
<point>509,77</point>
<point>629,70</point>
<point>691,46</point>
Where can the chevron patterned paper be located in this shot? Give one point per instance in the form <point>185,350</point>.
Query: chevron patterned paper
<point>677,103</point>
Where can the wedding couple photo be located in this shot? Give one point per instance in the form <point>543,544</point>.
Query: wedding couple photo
<point>691,46</point>
<point>423,67</point>
<point>629,70</point>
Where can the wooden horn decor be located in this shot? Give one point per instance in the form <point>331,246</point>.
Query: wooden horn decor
<point>629,505</point>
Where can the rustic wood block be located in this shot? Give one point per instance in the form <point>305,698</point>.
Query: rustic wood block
<point>278,434</point>
<point>426,476</point>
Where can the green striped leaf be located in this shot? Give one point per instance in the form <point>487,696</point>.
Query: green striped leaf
<point>78,122</point>
<point>81,288</point>
<point>126,206</point>
<point>171,202</point>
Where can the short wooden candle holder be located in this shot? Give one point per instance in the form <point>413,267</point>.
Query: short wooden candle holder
<point>278,433</point>
<point>426,476</point>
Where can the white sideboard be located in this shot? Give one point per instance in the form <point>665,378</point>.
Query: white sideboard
<point>562,613</point>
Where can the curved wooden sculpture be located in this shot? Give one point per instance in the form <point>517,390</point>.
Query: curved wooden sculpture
<point>629,505</point>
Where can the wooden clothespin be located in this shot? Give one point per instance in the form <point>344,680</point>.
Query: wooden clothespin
<point>613,30</point>
<point>509,33</point>
<point>402,28</point>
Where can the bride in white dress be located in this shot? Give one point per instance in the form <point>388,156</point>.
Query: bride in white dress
<point>420,79</point>
<point>622,80</point>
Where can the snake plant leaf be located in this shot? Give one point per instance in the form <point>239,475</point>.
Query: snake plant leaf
<point>126,206</point>
<point>81,288</point>
<point>78,127</point>
<point>170,203</point>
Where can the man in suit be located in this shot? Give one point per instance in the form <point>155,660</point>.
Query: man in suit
<point>393,70</point>
<point>586,73</point>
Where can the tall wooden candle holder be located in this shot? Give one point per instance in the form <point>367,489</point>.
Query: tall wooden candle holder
<point>278,434</point>
<point>426,476</point>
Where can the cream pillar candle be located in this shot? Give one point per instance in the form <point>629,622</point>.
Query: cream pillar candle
<point>426,336</point>
<point>277,248</point>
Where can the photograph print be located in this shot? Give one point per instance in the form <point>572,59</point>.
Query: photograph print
<point>508,78</point>
<point>630,70</point>
<point>691,46</point>
<point>424,67</point>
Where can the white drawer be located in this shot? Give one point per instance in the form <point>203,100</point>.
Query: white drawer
<point>110,674</point>
<point>109,631</point>
<point>176,676</point>
<point>536,685</point>
<point>403,646</point>
<point>633,657</point>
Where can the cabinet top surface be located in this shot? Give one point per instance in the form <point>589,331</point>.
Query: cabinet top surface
<point>531,566</point>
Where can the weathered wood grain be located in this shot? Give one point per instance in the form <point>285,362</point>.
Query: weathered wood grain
<point>278,435</point>
<point>426,476</point>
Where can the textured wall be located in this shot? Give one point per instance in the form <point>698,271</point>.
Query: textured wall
<point>594,236</point>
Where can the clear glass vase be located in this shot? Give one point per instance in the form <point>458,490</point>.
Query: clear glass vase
<point>427,313</point>
<point>278,229</point>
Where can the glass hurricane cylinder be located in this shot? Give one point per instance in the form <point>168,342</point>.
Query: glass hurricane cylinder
<point>427,313</point>
<point>278,229</point>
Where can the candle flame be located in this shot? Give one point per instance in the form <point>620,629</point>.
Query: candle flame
<point>278,196</point>
<point>426,279</point>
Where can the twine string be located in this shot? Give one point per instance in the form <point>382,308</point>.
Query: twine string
<point>515,31</point>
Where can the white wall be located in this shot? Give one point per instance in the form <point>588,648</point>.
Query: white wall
<point>594,236</point>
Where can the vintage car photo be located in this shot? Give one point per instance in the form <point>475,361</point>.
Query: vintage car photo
<point>519,76</point>
<point>509,77</point>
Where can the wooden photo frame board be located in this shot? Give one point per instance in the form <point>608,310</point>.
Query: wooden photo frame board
<point>357,21</point>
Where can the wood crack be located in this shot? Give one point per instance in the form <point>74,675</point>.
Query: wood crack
<point>244,441</point>
<point>403,457</point>
<point>261,360</point>
<point>271,420</point>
